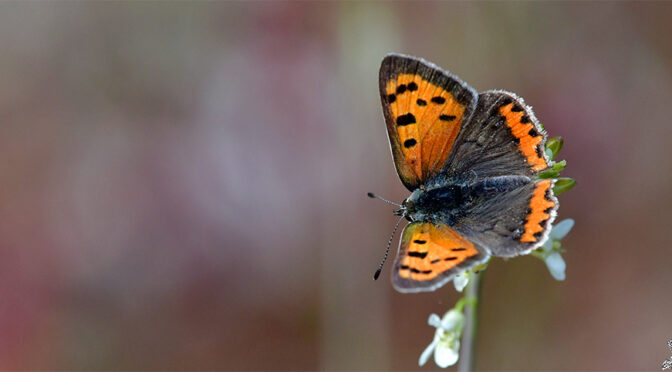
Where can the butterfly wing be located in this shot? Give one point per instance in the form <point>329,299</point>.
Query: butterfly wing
<point>511,215</point>
<point>430,255</point>
<point>425,108</point>
<point>503,137</point>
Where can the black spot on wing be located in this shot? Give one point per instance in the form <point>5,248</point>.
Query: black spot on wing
<point>439,100</point>
<point>436,76</point>
<point>414,270</point>
<point>405,119</point>
<point>412,86</point>
<point>401,89</point>
<point>447,117</point>
<point>391,98</point>
<point>421,102</point>
<point>417,254</point>
<point>410,142</point>
<point>418,241</point>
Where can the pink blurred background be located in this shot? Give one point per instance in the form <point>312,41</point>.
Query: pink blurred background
<point>183,184</point>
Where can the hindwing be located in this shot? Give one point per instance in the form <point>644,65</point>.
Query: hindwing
<point>512,222</point>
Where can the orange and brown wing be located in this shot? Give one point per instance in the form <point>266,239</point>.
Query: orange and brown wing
<point>430,255</point>
<point>503,138</point>
<point>425,107</point>
<point>512,220</point>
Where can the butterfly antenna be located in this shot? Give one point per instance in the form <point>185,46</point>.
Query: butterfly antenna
<point>387,250</point>
<point>374,196</point>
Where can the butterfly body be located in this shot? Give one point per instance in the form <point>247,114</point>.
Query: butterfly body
<point>441,204</point>
<point>471,163</point>
<point>450,202</point>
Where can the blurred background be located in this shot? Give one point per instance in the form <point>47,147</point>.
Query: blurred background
<point>183,185</point>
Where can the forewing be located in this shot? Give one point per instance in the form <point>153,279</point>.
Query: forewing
<point>503,137</point>
<point>430,255</point>
<point>512,220</point>
<point>425,107</point>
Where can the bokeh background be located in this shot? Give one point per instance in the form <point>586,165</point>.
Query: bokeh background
<point>182,185</point>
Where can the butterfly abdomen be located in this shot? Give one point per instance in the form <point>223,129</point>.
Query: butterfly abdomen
<point>496,185</point>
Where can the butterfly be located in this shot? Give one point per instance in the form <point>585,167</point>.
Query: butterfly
<point>471,162</point>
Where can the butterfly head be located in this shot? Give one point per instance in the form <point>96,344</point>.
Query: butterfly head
<point>409,208</point>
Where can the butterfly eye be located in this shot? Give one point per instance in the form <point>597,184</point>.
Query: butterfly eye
<point>409,206</point>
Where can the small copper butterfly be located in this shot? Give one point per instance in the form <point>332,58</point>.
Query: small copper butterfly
<point>471,162</point>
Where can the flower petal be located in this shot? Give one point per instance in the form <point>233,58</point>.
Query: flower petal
<point>460,281</point>
<point>428,351</point>
<point>452,320</point>
<point>556,265</point>
<point>434,321</point>
<point>561,229</point>
<point>445,356</point>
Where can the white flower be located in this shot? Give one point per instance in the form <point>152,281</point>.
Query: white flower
<point>446,342</point>
<point>556,265</point>
<point>461,280</point>
<point>561,229</point>
<point>550,250</point>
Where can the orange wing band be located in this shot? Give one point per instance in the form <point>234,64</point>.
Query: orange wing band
<point>529,137</point>
<point>541,206</point>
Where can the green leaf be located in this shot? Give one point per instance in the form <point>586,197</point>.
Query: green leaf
<point>555,145</point>
<point>563,184</point>
<point>559,166</point>
<point>548,173</point>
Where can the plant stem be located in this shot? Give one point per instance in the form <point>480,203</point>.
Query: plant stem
<point>468,347</point>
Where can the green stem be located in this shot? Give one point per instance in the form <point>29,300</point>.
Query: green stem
<point>468,346</point>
